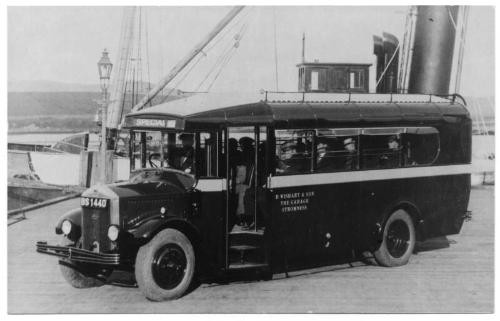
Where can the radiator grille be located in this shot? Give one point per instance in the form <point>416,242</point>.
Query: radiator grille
<point>95,229</point>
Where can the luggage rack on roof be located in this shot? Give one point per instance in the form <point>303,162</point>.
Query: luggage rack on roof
<point>307,97</point>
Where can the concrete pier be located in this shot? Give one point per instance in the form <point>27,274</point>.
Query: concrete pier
<point>453,275</point>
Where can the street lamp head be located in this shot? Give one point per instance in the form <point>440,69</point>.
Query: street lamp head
<point>104,67</point>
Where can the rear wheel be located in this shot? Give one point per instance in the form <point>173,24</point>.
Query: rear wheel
<point>398,240</point>
<point>164,267</point>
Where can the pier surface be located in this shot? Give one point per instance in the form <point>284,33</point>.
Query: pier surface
<point>453,274</point>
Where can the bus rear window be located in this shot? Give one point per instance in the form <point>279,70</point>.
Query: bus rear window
<point>421,146</point>
<point>398,147</point>
<point>380,150</point>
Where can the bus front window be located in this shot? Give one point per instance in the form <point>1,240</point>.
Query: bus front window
<point>154,149</point>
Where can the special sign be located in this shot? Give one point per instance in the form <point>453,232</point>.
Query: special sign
<point>294,202</point>
<point>160,123</point>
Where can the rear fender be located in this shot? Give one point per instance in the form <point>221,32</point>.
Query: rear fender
<point>378,227</point>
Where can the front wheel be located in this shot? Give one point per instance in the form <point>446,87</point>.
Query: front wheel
<point>165,266</point>
<point>398,240</point>
<point>79,276</point>
<point>82,275</point>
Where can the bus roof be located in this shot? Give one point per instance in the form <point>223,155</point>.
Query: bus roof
<point>289,110</point>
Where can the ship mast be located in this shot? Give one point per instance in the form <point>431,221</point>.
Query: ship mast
<point>187,59</point>
<point>115,109</point>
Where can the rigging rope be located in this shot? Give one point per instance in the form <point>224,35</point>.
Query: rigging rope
<point>231,28</point>
<point>236,45</point>
<point>451,18</point>
<point>217,63</point>
<point>406,50</point>
<point>146,36</point>
<point>275,51</point>
<point>463,31</point>
<point>388,64</point>
<point>221,61</point>
<point>183,77</point>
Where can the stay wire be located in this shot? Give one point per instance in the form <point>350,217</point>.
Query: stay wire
<point>217,63</point>
<point>230,55</point>
<point>275,51</point>
<point>183,77</point>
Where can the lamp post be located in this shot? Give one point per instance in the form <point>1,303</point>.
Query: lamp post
<point>104,67</point>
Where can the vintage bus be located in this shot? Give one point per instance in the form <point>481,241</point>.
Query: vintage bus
<point>271,183</point>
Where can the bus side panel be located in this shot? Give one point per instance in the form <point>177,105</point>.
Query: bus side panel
<point>379,198</point>
<point>311,225</point>
<point>440,203</point>
<point>448,215</point>
<point>210,221</point>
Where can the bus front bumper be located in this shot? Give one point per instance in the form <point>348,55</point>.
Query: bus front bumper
<point>78,255</point>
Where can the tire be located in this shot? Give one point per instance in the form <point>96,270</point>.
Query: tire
<point>72,273</point>
<point>164,268</point>
<point>81,275</point>
<point>398,240</point>
<point>368,258</point>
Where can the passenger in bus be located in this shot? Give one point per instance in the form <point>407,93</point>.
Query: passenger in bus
<point>299,161</point>
<point>244,173</point>
<point>391,158</point>
<point>326,160</point>
<point>350,147</point>
<point>249,200</point>
<point>183,157</point>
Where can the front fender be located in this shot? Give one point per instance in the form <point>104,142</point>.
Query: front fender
<point>75,217</point>
<point>150,228</point>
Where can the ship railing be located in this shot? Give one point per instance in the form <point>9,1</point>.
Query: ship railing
<point>350,97</point>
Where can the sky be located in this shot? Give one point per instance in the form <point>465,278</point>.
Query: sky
<point>64,43</point>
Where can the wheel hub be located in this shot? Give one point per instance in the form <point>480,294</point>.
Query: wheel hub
<point>398,238</point>
<point>169,266</point>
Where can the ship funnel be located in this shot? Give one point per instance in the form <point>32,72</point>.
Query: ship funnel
<point>433,50</point>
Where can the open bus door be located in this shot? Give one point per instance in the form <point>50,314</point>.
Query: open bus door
<point>246,172</point>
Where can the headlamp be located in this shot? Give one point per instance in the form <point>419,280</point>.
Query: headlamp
<point>113,232</point>
<point>66,227</point>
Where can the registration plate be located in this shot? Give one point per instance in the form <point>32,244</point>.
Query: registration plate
<point>93,202</point>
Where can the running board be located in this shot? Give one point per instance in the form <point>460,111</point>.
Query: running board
<point>247,265</point>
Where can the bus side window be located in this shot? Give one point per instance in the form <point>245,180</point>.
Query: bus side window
<point>336,153</point>
<point>293,151</point>
<point>381,151</point>
<point>421,146</point>
<point>206,155</point>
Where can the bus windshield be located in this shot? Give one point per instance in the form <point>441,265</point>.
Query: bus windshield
<point>155,149</point>
<point>192,153</point>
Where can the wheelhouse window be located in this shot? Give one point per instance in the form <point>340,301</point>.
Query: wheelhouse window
<point>318,80</point>
<point>336,150</point>
<point>356,79</point>
<point>294,151</point>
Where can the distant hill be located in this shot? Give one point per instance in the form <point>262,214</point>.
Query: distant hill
<point>58,111</point>
<point>50,86</point>
<point>55,86</point>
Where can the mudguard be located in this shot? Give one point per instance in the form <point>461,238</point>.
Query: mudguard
<point>151,227</point>
<point>378,228</point>
<point>75,217</point>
